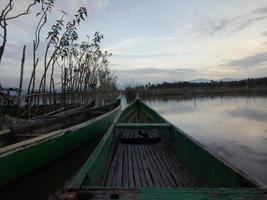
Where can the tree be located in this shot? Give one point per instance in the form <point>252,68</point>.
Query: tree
<point>6,16</point>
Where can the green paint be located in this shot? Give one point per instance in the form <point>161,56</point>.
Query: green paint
<point>223,180</point>
<point>202,194</point>
<point>16,164</point>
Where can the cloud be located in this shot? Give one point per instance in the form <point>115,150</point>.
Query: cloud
<point>264,33</point>
<point>125,43</point>
<point>130,43</point>
<point>101,3</point>
<point>210,26</point>
<point>89,4</point>
<point>262,10</point>
<point>249,61</point>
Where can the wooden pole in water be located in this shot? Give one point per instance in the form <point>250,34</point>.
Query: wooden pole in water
<point>21,78</point>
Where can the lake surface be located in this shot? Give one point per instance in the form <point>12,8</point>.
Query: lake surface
<point>233,127</point>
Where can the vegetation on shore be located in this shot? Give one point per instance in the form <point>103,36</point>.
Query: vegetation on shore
<point>185,88</point>
<point>68,71</point>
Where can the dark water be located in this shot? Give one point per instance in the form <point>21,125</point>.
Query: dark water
<point>233,127</point>
<point>45,181</point>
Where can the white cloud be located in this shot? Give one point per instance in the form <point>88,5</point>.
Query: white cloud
<point>250,61</point>
<point>206,25</point>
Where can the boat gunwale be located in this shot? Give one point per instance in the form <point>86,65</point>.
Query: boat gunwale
<point>9,149</point>
<point>79,178</point>
<point>215,155</point>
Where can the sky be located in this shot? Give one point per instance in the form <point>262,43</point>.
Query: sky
<point>159,40</point>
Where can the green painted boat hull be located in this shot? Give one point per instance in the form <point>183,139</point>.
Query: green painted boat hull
<point>169,194</point>
<point>216,178</point>
<point>18,162</point>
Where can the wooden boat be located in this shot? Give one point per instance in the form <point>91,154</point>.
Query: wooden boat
<point>71,131</point>
<point>25,129</point>
<point>67,109</point>
<point>143,156</point>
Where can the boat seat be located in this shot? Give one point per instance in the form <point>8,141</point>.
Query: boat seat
<point>140,140</point>
<point>140,137</point>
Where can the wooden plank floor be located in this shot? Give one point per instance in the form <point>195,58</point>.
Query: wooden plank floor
<point>145,165</point>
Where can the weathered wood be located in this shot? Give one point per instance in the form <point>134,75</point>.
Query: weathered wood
<point>130,167</point>
<point>157,126</point>
<point>145,167</point>
<point>61,120</point>
<point>4,133</point>
<point>125,167</point>
<point>144,164</point>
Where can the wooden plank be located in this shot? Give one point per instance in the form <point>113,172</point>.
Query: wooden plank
<point>130,167</point>
<point>112,168</point>
<point>163,178</point>
<point>154,171</point>
<point>171,169</point>
<point>164,161</point>
<point>142,125</point>
<point>5,133</point>
<point>125,166</point>
<point>135,167</point>
<point>31,135</point>
<point>119,171</point>
<point>140,167</point>
<point>176,172</point>
<point>145,167</point>
<point>182,176</point>
<point>139,140</point>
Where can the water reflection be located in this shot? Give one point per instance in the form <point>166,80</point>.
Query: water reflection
<point>233,127</point>
<point>249,113</point>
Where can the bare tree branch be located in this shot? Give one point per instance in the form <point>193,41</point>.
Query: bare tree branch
<point>4,18</point>
<point>26,12</point>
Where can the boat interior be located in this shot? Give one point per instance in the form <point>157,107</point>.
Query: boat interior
<point>34,128</point>
<point>141,159</point>
<point>143,150</point>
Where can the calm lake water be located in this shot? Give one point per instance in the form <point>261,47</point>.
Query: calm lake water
<point>233,127</point>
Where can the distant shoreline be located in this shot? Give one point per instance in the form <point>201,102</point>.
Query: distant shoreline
<point>250,86</point>
<point>196,92</point>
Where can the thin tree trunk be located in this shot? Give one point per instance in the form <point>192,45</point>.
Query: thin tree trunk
<point>2,47</point>
<point>21,78</point>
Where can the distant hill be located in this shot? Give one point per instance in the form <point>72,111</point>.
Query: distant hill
<point>204,80</point>
<point>228,79</point>
<point>200,80</point>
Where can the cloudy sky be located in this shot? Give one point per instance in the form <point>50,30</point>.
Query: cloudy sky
<point>161,40</point>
